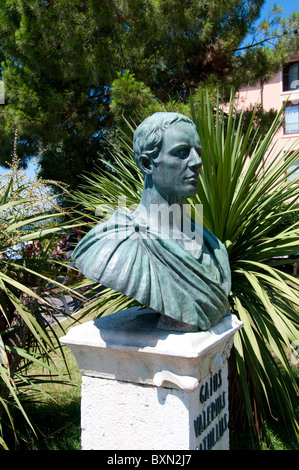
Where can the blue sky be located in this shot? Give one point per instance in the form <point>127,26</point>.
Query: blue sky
<point>30,170</point>
<point>289,6</point>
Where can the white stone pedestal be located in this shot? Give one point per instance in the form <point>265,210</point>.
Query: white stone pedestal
<point>144,388</point>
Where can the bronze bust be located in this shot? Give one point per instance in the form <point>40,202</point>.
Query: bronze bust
<point>182,274</point>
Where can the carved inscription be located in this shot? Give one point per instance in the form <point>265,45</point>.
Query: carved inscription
<point>212,422</point>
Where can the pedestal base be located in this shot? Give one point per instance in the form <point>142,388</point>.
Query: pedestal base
<point>144,388</point>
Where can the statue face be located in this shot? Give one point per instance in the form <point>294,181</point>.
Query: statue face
<point>175,172</point>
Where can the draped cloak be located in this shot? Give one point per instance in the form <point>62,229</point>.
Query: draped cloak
<point>126,255</point>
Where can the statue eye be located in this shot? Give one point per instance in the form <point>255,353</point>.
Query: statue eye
<point>183,153</point>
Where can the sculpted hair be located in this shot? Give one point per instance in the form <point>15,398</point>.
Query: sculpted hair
<point>147,140</point>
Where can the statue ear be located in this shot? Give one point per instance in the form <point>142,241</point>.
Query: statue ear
<point>145,164</point>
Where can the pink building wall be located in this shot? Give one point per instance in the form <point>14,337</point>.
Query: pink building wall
<point>271,95</point>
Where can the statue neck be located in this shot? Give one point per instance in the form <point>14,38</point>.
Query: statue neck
<point>152,195</point>
<point>153,200</point>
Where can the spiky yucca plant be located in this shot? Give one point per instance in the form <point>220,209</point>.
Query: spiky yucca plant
<point>248,200</point>
<point>27,212</point>
<point>247,203</point>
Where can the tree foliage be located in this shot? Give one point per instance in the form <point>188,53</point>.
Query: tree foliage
<point>62,59</point>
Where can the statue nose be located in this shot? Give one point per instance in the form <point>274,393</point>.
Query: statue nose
<point>195,160</point>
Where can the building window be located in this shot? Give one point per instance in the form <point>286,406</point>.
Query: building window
<point>291,76</point>
<point>293,171</point>
<point>291,118</point>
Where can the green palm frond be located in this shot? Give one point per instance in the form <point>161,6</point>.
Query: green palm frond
<point>247,202</point>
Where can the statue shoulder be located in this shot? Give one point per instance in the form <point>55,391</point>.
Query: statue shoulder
<point>210,239</point>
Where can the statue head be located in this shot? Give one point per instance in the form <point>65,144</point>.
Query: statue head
<point>167,150</point>
<point>148,136</point>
